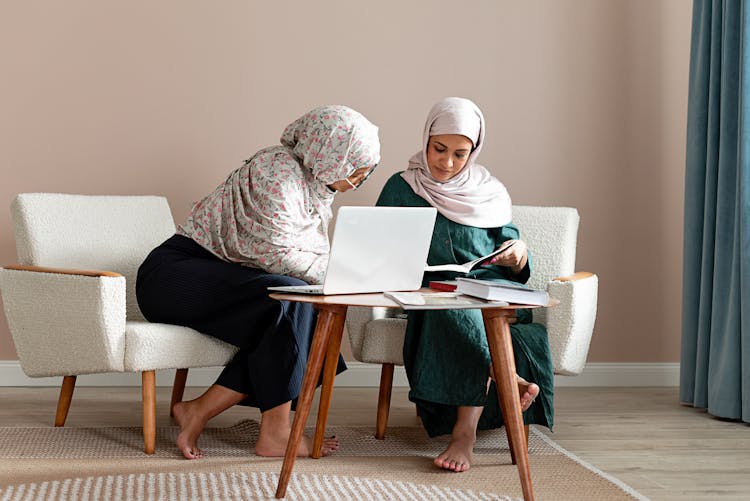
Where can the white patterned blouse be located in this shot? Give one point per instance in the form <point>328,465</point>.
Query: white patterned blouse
<point>273,212</point>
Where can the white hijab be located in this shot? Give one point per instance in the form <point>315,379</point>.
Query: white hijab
<point>473,197</point>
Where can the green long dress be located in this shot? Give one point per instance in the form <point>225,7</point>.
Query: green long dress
<point>446,356</point>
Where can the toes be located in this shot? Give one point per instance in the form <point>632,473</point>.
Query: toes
<point>327,451</point>
<point>526,403</point>
<point>446,463</point>
<point>528,391</point>
<point>192,453</point>
<point>457,466</point>
<point>329,446</point>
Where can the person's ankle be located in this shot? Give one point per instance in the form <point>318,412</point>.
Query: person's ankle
<point>464,434</point>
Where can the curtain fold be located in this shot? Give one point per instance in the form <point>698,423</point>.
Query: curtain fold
<point>715,358</point>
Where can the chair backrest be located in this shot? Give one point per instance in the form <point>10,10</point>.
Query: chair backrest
<point>551,234</point>
<point>94,232</point>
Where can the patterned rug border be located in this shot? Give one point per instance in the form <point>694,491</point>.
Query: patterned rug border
<point>236,486</point>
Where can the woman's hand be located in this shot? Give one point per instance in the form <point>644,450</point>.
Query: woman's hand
<point>514,257</point>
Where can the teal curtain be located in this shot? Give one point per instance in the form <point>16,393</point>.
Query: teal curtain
<point>715,359</point>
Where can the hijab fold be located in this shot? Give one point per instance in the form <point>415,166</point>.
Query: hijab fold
<point>473,197</point>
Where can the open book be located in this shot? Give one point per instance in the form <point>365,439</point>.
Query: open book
<point>437,300</point>
<point>467,267</point>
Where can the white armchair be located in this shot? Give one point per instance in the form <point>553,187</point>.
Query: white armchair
<point>377,335</point>
<point>66,318</point>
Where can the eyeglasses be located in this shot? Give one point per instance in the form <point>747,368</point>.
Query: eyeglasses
<point>364,178</point>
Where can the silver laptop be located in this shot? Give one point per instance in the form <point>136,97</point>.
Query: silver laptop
<point>375,249</point>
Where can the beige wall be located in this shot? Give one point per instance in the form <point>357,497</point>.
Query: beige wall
<point>585,102</point>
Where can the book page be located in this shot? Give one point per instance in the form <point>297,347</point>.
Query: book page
<point>467,267</point>
<point>460,268</point>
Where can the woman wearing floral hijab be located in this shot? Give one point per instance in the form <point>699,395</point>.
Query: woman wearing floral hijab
<point>265,225</point>
<point>446,356</point>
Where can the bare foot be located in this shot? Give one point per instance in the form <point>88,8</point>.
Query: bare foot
<point>274,445</point>
<point>458,456</point>
<point>191,427</point>
<point>527,391</point>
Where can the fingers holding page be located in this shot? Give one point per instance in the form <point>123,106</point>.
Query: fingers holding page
<point>512,256</point>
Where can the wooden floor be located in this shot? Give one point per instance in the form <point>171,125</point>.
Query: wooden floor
<point>643,436</point>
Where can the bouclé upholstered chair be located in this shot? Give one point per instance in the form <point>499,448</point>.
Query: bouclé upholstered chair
<point>377,335</point>
<point>71,305</point>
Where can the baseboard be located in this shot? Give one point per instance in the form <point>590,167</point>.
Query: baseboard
<point>367,375</point>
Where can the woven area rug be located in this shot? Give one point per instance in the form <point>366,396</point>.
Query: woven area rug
<point>108,464</point>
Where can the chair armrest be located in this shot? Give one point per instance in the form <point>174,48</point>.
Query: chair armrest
<point>357,318</point>
<point>65,322</point>
<point>62,271</point>
<point>570,324</point>
<point>579,275</point>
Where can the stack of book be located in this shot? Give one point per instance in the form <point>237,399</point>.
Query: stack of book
<point>501,290</point>
<point>444,285</point>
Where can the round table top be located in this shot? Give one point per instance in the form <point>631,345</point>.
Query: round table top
<point>377,299</point>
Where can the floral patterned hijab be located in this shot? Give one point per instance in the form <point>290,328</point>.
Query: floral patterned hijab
<point>333,141</point>
<point>473,197</point>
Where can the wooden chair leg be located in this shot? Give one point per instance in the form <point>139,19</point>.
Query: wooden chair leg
<point>510,445</point>
<point>178,389</point>
<point>63,402</point>
<point>526,432</point>
<point>384,400</point>
<point>148,383</point>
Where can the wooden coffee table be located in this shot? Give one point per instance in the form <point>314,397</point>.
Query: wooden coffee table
<point>326,345</point>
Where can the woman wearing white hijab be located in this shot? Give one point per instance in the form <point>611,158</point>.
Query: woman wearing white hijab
<point>265,225</point>
<point>446,356</point>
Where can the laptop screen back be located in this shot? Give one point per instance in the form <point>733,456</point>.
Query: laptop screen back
<point>376,249</point>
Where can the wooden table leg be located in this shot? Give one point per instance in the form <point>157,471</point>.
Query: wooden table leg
<point>504,367</point>
<point>329,373</point>
<point>325,325</point>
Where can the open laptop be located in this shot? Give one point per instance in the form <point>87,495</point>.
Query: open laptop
<point>375,249</point>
